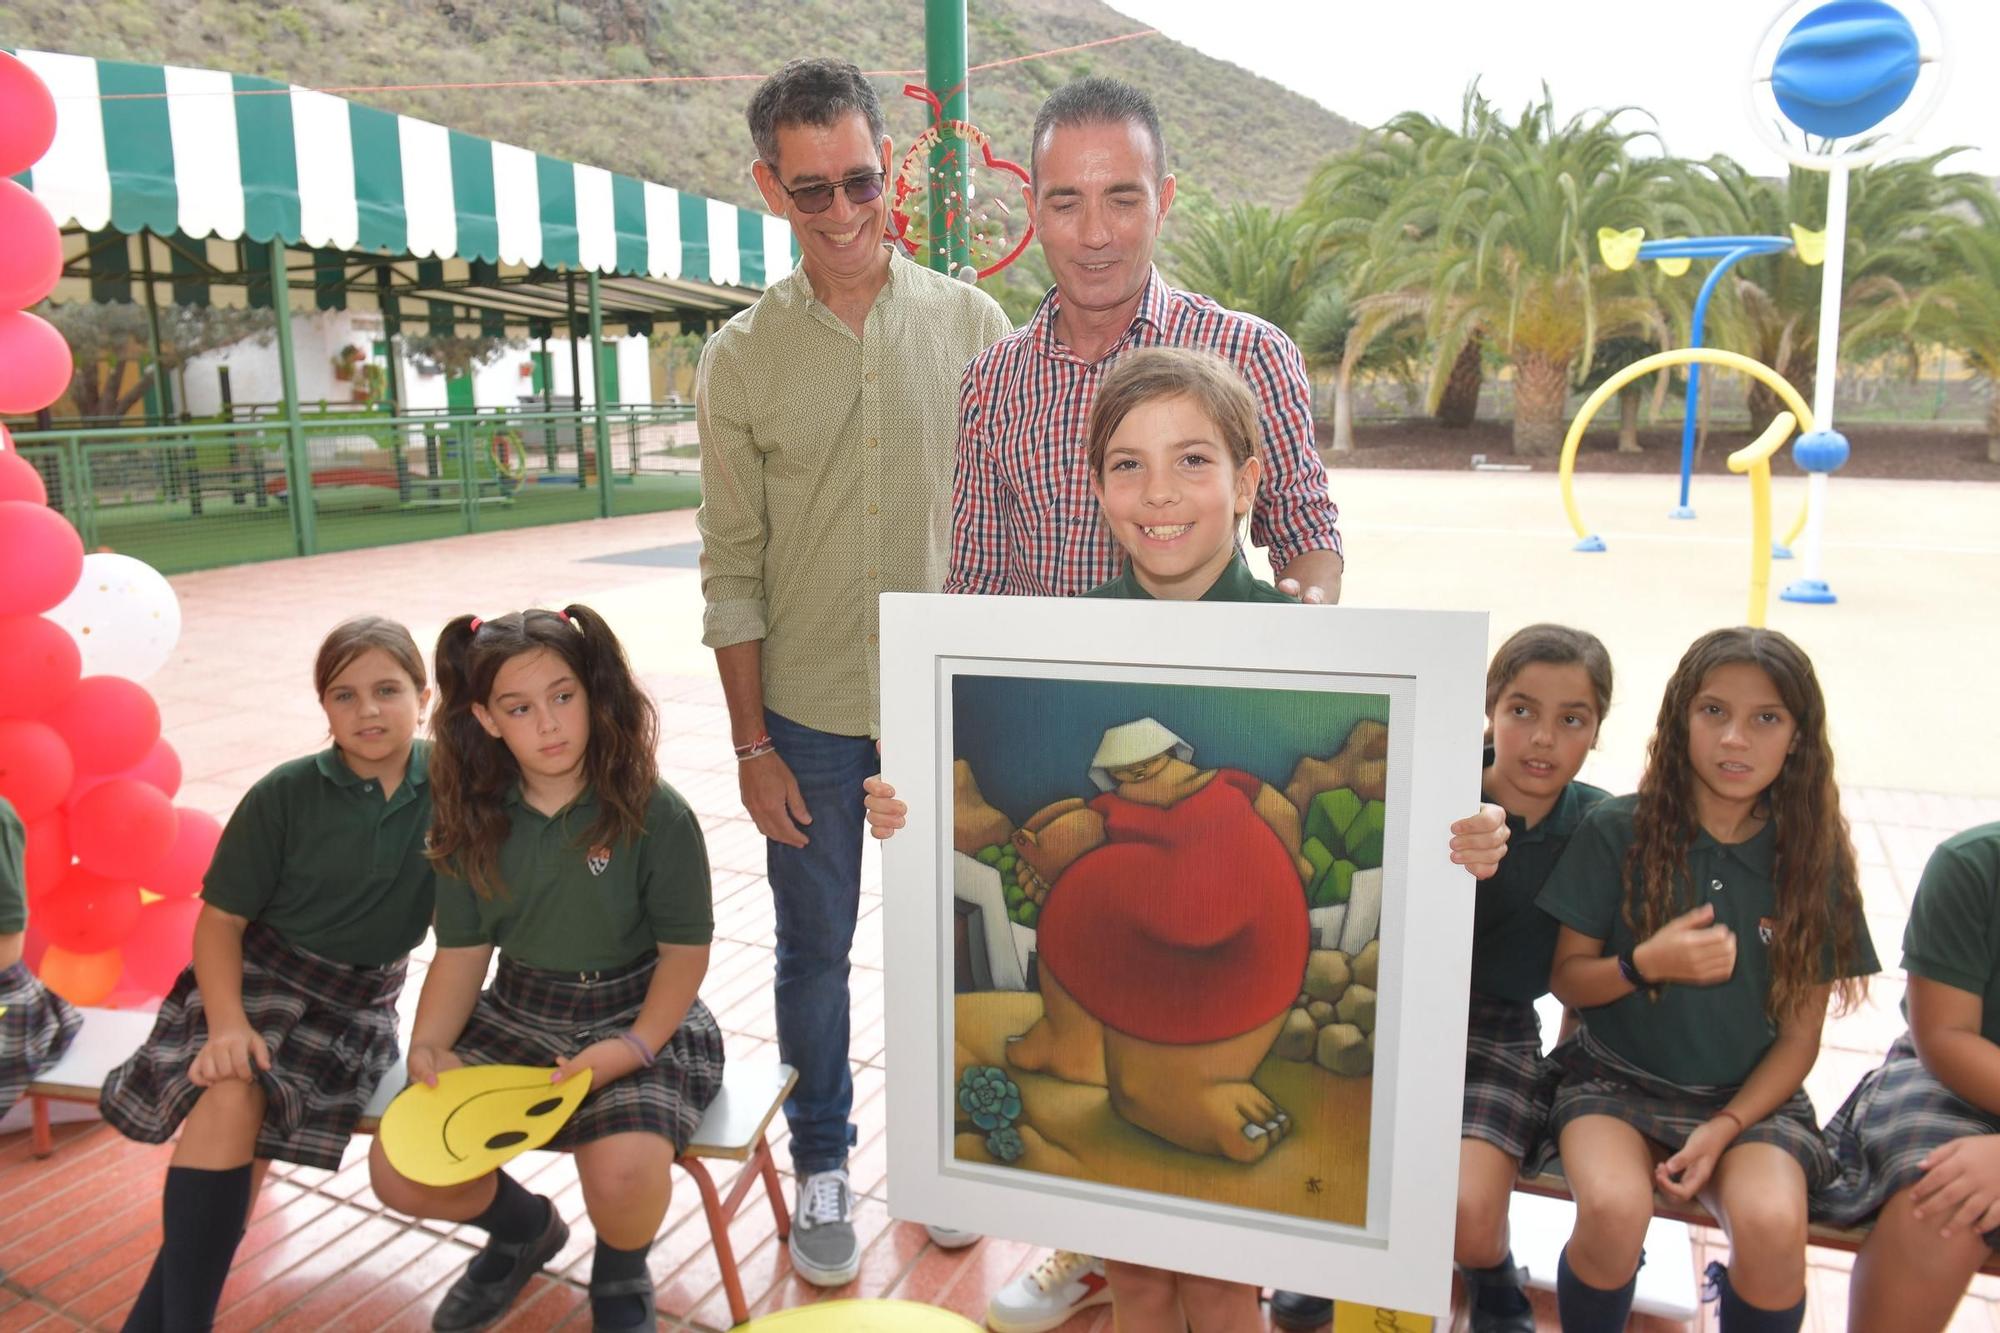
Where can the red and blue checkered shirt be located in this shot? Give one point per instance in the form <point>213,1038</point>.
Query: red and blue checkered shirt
<point>1023,518</point>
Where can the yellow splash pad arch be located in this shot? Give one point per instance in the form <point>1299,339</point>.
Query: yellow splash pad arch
<point>1754,458</point>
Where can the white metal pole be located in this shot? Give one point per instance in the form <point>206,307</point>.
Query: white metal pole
<point>1812,586</point>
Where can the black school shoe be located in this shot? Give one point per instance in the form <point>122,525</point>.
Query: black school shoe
<point>471,1304</point>
<point>1520,1319</point>
<point>642,1287</point>
<point>1299,1312</point>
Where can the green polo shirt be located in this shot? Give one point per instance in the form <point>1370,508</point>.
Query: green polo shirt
<point>569,907</point>
<point>316,854</point>
<point>13,871</point>
<point>1692,1035</point>
<point>1954,933</point>
<point>1236,584</point>
<point>1513,940</point>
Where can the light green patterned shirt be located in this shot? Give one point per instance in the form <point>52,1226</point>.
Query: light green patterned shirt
<point>826,468</point>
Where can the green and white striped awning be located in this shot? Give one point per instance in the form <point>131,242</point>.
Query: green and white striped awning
<point>210,154</point>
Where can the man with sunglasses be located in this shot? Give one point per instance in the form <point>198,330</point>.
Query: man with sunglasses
<point>828,415</point>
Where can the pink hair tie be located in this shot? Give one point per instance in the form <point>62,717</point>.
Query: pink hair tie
<point>476,623</point>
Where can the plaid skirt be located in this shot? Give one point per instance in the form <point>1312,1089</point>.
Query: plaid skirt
<point>331,1030</point>
<point>1507,1082</point>
<point>530,1017</point>
<point>1595,1081</point>
<point>36,1027</point>
<point>1879,1138</point>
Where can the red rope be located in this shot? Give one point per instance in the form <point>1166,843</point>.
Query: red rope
<point>637,78</point>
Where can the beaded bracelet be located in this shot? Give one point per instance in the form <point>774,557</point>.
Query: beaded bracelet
<point>645,1052</point>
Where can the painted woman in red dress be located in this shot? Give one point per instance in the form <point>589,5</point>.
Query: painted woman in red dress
<point>1172,942</point>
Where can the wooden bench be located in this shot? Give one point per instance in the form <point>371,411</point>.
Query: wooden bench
<point>1551,1185</point>
<point>732,1130</point>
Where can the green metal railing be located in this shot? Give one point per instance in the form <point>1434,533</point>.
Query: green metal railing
<point>184,497</point>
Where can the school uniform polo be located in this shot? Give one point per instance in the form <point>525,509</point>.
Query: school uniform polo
<point>1513,940</point>
<point>1691,1036</point>
<point>316,853</point>
<point>1953,937</point>
<point>1236,584</point>
<point>13,871</point>
<point>566,905</point>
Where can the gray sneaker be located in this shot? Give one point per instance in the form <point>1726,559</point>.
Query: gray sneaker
<point>824,1250</point>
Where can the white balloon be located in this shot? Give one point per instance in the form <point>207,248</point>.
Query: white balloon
<point>123,615</point>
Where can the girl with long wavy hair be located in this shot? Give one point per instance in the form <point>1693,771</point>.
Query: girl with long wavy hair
<point>556,842</point>
<point>1706,923</point>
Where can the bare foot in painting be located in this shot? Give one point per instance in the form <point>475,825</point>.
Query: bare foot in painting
<point>1043,1049</point>
<point>1199,1097</point>
<point>1065,1042</point>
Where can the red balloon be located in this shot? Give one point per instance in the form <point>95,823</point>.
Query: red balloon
<point>35,363</point>
<point>39,666</point>
<point>122,829</point>
<point>90,913</point>
<point>35,767</point>
<point>27,117</point>
<point>109,723</point>
<point>160,768</point>
<point>19,479</point>
<point>31,256</point>
<point>39,550</point>
<point>160,945</point>
<point>48,854</point>
<point>81,978</point>
<point>179,872</point>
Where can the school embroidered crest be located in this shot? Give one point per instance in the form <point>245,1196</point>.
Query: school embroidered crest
<point>1766,928</point>
<point>599,858</point>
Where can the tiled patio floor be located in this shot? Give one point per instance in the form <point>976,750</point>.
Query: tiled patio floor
<point>80,1228</point>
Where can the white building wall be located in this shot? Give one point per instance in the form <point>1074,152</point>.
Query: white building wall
<point>318,337</point>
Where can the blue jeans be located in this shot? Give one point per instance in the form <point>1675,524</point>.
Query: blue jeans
<point>817,892</point>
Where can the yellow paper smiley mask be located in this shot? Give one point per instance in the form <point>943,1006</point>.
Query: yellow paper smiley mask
<point>475,1120</point>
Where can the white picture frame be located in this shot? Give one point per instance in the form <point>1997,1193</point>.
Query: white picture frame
<point>1430,665</point>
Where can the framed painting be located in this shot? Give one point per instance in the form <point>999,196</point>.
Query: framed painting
<point>1176,955</point>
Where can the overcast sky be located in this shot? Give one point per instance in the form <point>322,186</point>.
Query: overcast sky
<point>1369,59</point>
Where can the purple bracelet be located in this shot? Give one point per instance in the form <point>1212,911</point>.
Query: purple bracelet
<point>645,1051</point>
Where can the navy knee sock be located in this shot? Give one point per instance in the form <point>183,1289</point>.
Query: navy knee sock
<point>1497,1290</point>
<point>610,1264</point>
<point>1739,1316</point>
<point>515,1217</point>
<point>1587,1309</point>
<point>202,1213</point>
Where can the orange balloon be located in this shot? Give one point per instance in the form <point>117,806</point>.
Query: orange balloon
<point>81,978</point>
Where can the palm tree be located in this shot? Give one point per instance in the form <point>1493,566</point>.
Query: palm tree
<point>1516,255</point>
<point>1956,305</point>
<point>1771,304</point>
<point>1251,258</point>
<point>1370,204</point>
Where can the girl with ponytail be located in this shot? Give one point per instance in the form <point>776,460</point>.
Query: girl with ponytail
<point>556,843</point>
<point>272,1040</point>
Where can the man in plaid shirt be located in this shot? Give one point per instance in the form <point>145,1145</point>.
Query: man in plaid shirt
<point>1023,518</point>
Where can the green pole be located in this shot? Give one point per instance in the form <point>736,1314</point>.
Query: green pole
<point>600,424</point>
<point>944,74</point>
<point>298,467</point>
<point>162,392</point>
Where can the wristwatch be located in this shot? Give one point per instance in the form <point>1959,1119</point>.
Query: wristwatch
<point>1628,968</point>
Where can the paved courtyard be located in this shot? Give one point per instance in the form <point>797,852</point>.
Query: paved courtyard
<point>1906,659</point>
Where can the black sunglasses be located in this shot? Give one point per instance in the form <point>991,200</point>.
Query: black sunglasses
<point>863,189</point>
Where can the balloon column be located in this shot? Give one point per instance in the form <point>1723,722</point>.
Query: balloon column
<point>112,864</point>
